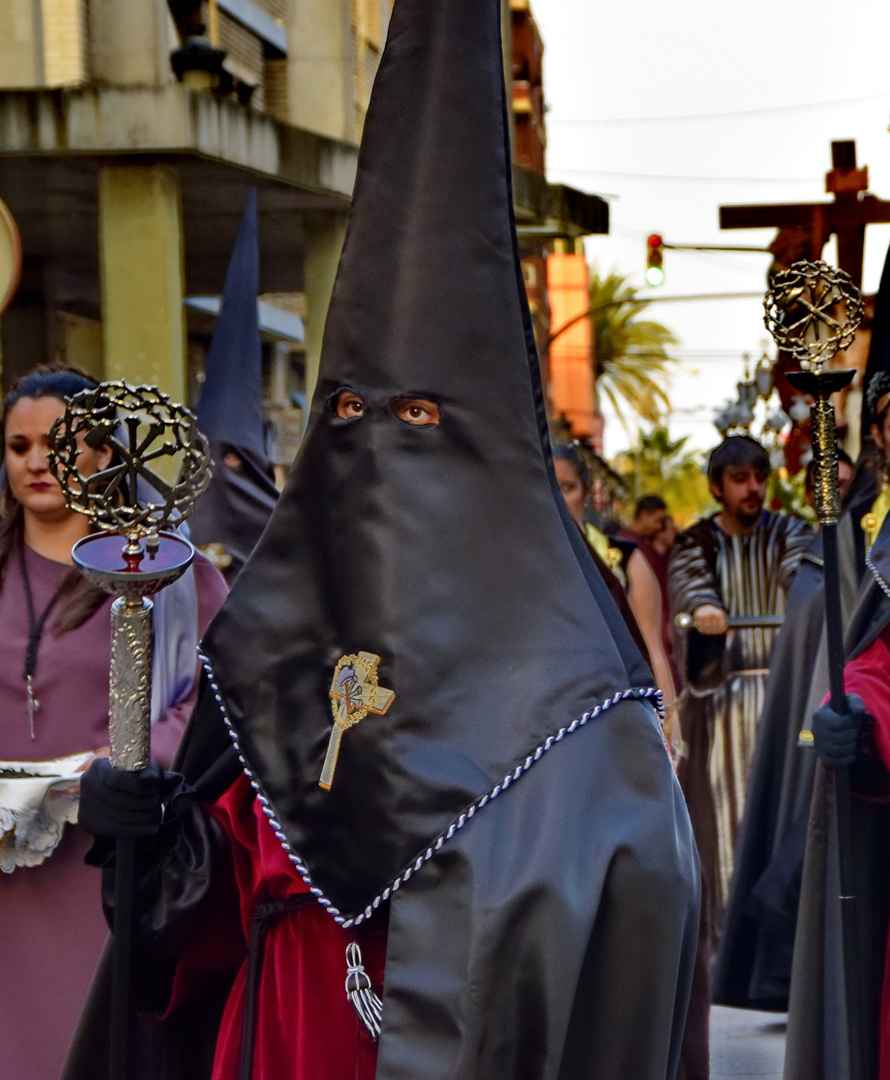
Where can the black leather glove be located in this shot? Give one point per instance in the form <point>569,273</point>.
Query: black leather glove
<point>835,736</point>
<point>118,803</point>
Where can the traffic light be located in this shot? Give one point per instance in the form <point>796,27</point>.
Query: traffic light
<point>654,259</point>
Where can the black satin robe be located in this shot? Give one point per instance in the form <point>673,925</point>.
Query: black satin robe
<point>496,953</point>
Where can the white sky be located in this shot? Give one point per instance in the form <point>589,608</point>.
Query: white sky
<point>608,61</point>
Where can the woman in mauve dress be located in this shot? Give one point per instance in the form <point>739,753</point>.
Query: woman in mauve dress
<point>55,628</point>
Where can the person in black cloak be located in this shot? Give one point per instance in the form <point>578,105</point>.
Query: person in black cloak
<point>229,518</point>
<point>754,960</point>
<point>816,1044</point>
<point>537,903</point>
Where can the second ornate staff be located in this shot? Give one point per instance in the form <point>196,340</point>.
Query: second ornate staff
<point>812,312</point>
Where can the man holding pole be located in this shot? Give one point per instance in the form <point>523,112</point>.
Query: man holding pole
<point>737,564</point>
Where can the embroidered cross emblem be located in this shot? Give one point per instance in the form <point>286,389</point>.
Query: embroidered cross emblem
<point>355,692</point>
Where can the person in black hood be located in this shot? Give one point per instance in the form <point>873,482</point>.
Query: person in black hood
<point>229,518</point>
<point>817,1041</point>
<point>754,961</point>
<point>417,635</point>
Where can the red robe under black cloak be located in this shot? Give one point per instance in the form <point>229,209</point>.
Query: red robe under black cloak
<point>869,677</point>
<point>304,1016</point>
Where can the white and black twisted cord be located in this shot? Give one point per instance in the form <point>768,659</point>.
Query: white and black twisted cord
<point>649,693</point>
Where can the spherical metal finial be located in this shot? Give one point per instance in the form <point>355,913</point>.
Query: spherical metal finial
<point>145,429</point>
<point>812,311</point>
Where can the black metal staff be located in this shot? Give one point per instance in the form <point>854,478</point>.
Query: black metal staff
<point>812,312</point>
<point>130,501</point>
<point>685,621</point>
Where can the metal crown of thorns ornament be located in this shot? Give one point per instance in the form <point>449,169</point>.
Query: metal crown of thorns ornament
<point>813,312</point>
<point>131,500</point>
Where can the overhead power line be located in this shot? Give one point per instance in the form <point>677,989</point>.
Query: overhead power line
<point>689,179</point>
<point>642,301</point>
<point>737,114</point>
<point>693,359</point>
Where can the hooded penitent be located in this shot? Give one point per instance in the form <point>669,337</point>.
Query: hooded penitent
<point>753,965</point>
<point>230,516</point>
<point>443,549</point>
<point>817,1041</point>
<point>502,795</point>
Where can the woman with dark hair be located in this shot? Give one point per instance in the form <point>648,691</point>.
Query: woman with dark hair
<point>626,565</point>
<point>56,647</point>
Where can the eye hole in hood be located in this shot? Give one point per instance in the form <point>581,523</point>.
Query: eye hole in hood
<point>417,411</point>
<point>348,405</point>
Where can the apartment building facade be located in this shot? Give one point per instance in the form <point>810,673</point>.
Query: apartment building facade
<point>130,134</point>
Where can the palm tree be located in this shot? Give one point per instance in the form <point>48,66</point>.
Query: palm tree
<point>630,354</point>
<point>658,465</point>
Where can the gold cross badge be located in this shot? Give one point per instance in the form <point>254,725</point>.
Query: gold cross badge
<point>355,692</point>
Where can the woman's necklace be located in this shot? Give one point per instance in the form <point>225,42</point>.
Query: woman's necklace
<point>35,632</point>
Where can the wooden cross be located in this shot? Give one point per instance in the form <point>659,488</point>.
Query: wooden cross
<point>806,227</point>
<point>354,693</point>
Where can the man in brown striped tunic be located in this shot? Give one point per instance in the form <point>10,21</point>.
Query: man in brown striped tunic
<point>739,562</point>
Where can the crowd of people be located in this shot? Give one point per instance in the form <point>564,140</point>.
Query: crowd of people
<point>714,680</point>
<point>737,642</point>
<point>469,783</point>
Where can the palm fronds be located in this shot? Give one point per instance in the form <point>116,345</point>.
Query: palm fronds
<point>630,354</point>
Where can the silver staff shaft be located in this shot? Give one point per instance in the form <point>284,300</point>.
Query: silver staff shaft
<point>130,683</point>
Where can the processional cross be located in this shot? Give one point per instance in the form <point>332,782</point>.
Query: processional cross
<point>846,217</point>
<point>355,692</point>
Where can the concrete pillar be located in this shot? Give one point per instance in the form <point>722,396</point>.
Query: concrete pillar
<point>24,339</point>
<point>321,67</point>
<point>82,345</point>
<point>324,242</point>
<point>21,48</point>
<point>130,42</point>
<point>141,257</point>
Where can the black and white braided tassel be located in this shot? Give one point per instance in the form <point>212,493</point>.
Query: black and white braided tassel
<point>358,990</point>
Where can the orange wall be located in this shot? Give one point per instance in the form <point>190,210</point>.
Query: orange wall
<point>571,354</point>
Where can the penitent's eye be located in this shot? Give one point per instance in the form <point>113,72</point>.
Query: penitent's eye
<point>416,411</point>
<point>349,406</point>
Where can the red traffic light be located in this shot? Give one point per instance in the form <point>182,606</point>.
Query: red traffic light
<point>654,259</point>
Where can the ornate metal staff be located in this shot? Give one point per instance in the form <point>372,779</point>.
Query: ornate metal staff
<point>132,501</point>
<point>812,312</point>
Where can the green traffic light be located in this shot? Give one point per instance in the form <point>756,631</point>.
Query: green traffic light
<point>655,275</point>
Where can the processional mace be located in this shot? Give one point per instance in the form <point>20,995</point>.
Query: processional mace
<point>812,312</point>
<point>130,501</point>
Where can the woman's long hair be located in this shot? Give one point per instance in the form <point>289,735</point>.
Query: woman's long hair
<point>78,599</point>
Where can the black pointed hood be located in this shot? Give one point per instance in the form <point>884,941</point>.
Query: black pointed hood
<point>231,406</point>
<point>230,516</point>
<point>445,550</point>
